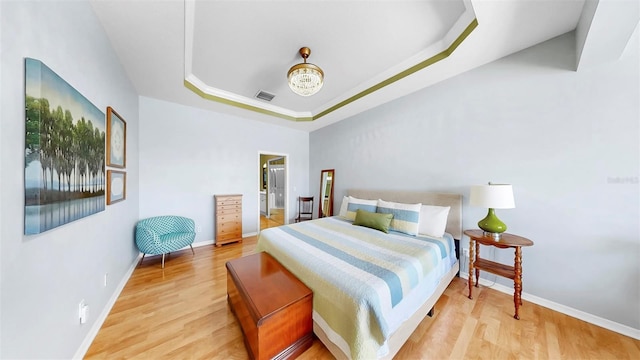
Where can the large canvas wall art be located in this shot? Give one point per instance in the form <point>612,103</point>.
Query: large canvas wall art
<point>64,152</point>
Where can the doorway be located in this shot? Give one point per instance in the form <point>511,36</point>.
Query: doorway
<point>273,190</point>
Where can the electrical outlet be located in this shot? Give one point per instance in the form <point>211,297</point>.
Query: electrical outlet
<point>465,252</point>
<point>106,276</point>
<point>199,229</point>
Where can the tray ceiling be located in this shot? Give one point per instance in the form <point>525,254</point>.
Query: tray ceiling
<point>218,55</point>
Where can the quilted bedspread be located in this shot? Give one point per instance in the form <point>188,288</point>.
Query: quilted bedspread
<point>357,274</point>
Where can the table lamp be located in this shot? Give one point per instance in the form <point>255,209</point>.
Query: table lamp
<point>492,196</point>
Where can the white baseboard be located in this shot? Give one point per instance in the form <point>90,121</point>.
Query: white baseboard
<point>607,324</point>
<point>592,319</point>
<point>200,243</point>
<point>211,242</point>
<point>91,335</point>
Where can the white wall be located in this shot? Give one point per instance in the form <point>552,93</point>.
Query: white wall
<point>187,155</point>
<point>568,142</point>
<point>44,277</point>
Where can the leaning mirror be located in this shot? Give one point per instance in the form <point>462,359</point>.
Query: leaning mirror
<point>327,178</point>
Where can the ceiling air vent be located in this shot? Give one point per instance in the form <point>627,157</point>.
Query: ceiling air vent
<point>263,95</point>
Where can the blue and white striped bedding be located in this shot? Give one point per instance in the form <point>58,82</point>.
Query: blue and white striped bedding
<point>359,276</point>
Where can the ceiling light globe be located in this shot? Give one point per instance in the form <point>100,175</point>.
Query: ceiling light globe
<point>305,79</point>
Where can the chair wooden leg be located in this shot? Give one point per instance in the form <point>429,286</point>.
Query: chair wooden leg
<point>193,252</point>
<point>141,260</point>
<point>163,261</point>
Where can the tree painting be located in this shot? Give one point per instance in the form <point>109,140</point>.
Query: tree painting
<point>64,152</point>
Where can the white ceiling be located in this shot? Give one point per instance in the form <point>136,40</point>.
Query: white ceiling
<point>217,55</point>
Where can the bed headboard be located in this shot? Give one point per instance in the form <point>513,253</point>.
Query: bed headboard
<point>454,221</point>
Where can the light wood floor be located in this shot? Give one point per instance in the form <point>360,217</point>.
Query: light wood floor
<point>275,219</point>
<point>181,312</point>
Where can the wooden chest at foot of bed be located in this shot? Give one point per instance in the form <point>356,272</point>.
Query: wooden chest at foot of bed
<point>272,306</point>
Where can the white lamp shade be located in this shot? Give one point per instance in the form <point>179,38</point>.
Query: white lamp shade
<point>493,196</point>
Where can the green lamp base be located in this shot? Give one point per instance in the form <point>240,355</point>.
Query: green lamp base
<point>491,224</point>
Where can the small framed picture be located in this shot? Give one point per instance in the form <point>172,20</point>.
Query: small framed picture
<point>116,139</point>
<point>116,186</point>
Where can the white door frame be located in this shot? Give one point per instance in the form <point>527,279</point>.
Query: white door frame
<point>286,188</point>
<point>269,187</point>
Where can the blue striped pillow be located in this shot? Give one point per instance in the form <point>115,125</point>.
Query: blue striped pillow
<point>355,204</point>
<point>406,217</point>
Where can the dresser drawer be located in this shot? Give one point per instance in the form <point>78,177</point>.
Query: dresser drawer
<point>224,238</point>
<point>228,209</point>
<point>229,226</point>
<point>229,201</point>
<point>221,219</point>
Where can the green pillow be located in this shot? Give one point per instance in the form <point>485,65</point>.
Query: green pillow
<point>373,220</point>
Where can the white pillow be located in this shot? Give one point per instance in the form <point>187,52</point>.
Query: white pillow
<point>406,217</point>
<point>344,206</point>
<point>433,220</point>
<point>355,204</point>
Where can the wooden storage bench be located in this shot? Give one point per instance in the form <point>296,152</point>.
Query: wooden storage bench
<point>272,306</point>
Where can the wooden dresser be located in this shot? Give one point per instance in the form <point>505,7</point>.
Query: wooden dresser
<point>228,218</point>
<point>272,306</point>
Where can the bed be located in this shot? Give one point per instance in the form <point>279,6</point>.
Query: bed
<point>371,289</point>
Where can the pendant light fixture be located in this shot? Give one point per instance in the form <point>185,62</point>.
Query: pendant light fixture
<point>305,79</point>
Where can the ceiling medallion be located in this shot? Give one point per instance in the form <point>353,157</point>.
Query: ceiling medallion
<point>305,79</point>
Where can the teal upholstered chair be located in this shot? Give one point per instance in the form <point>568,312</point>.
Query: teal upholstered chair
<point>164,234</point>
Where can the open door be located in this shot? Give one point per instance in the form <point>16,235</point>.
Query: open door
<point>273,190</point>
<point>276,185</point>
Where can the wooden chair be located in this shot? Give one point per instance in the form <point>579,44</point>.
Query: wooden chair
<point>305,208</point>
